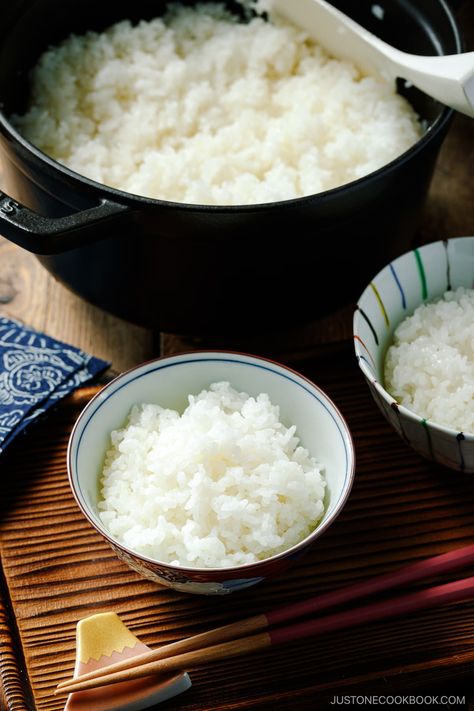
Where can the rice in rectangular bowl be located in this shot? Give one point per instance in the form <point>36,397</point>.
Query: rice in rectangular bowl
<point>223,484</point>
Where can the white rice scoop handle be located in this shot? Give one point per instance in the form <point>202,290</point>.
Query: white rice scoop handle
<point>449,78</point>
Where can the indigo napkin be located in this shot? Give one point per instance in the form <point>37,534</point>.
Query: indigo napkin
<point>36,371</point>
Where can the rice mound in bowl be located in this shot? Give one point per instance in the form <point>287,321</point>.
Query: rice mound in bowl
<point>429,368</point>
<point>199,107</point>
<point>222,485</point>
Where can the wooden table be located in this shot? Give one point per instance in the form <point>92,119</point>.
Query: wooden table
<point>410,657</point>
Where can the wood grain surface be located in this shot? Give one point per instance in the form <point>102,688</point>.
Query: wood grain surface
<point>402,508</point>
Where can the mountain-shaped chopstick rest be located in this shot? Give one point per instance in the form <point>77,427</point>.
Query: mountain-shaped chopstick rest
<point>101,640</point>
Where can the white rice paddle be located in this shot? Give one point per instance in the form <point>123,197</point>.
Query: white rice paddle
<point>448,78</point>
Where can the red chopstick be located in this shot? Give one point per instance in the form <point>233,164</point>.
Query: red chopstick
<point>421,570</point>
<point>384,610</point>
<point>395,607</point>
<point>217,639</point>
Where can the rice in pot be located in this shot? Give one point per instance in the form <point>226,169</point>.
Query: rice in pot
<point>198,107</point>
<point>224,484</point>
<point>430,366</point>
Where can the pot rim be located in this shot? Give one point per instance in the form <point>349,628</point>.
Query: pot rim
<point>434,129</point>
<point>121,196</point>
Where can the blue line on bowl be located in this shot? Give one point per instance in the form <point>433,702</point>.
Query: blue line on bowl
<point>397,281</point>
<point>362,357</point>
<point>210,360</point>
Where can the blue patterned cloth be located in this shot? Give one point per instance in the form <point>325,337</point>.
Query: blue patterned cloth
<point>36,371</point>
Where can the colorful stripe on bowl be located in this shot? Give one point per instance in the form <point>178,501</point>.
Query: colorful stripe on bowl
<point>397,282</point>
<point>422,273</point>
<point>359,355</point>
<point>394,406</point>
<point>381,304</point>
<point>369,324</point>
<point>448,266</point>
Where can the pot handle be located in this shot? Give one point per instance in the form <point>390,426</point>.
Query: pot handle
<point>52,235</point>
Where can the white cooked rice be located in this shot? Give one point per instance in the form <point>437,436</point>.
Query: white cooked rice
<point>197,107</point>
<point>430,366</point>
<point>224,484</point>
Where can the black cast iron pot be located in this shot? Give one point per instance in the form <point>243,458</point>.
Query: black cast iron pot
<point>199,269</point>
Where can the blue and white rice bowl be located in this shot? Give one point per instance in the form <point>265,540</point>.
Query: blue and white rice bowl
<point>417,277</point>
<point>168,382</point>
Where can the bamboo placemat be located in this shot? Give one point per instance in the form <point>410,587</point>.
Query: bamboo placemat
<point>56,570</point>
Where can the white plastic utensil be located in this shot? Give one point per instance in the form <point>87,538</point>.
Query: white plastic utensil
<point>448,78</point>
